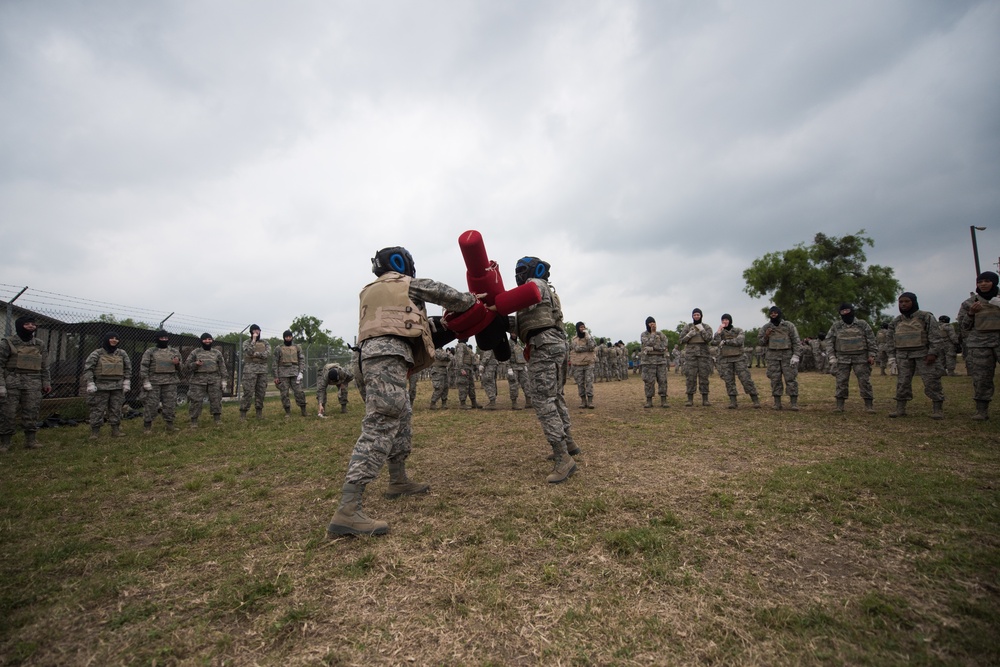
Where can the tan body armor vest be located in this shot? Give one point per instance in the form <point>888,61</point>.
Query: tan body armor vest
<point>288,355</point>
<point>388,310</point>
<point>730,350</point>
<point>779,339</point>
<point>850,340</point>
<point>162,361</point>
<point>987,319</point>
<point>109,367</point>
<point>910,334</point>
<point>541,316</point>
<point>24,358</point>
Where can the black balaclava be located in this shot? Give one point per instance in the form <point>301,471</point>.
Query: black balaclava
<point>701,316</point>
<point>333,376</point>
<point>162,344</point>
<point>208,337</point>
<point>944,319</point>
<point>993,278</point>
<point>727,316</point>
<point>885,325</point>
<point>287,334</point>
<point>23,333</point>
<point>775,314</point>
<point>254,327</point>
<point>649,320</point>
<point>106,341</point>
<point>580,333</point>
<point>822,335</point>
<point>913,298</point>
<point>849,317</point>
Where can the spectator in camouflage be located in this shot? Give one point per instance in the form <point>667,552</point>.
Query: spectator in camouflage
<point>519,372</point>
<point>439,377</point>
<point>24,379</point>
<point>582,359</point>
<point>465,360</point>
<point>914,346</point>
<point>256,352</point>
<point>695,337</point>
<point>289,368</point>
<point>851,346</point>
<point>781,340</point>
<point>332,374</point>
<point>159,370</point>
<point>488,373</point>
<point>655,362</point>
<point>733,361</point>
<point>979,321</point>
<point>207,373</point>
<point>949,338</point>
<point>108,374</point>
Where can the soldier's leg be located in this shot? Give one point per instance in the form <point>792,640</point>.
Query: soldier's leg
<point>727,371</point>
<point>904,380</point>
<point>98,403</point>
<point>116,399</point>
<point>150,404</point>
<point>864,374</point>
<point>649,379</point>
<point>31,405</point>
<point>196,397</point>
<point>704,370</point>
<point>260,390</point>
<point>168,397</point>
<point>843,377</point>
<point>743,373</point>
<point>249,388</point>
<point>930,375</point>
<point>386,404</point>
<point>342,397</point>
<point>298,391</point>
<point>214,390</point>
<point>691,375</point>
<point>982,362</point>
<point>286,403</point>
<point>774,374</point>
<point>791,374</point>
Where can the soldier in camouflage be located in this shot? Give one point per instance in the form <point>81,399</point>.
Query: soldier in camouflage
<point>395,337</point>
<point>439,378</point>
<point>208,378</point>
<point>159,370</point>
<point>108,374</point>
<point>582,360</point>
<point>654,362</point>
<point>24,379</point>
<point>914,346</point>
<point>851,345</point>
<point>695,337</point>
<point>781,340</point>
<point>332,374</point>
<point>519,371</point>
<point>882,340</point>
<point>733,361</point>
<point>949,337</point>
<point>979,320</point>
<point>289,369</point>
<point>255,355</point>
<point>488,373</point>
<point>465,359</point>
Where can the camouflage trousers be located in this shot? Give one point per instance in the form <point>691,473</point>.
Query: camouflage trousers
<point>490,381</point>
<point>293,386</point>
<point>521,381</point>
<point>737,368</point>
<point>783,376</point>
<point>254,390</point>
<point>412,393</point>
<point>983,364</point>
<point>439,379</point>
<point>930,374</point>
<point>584,378</point>
<point>466,385</point>
<point>950,362</point>
<point>653,375</point>
<point>386,430</point>
<point>160,393</point>
<point>547,369</point>
<point>861,370</point>
<point>106,403</point>
<point>24,394</point>
<point>196,397</point>
<point>697,370</point>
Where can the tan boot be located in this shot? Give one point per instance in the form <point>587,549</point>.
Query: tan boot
<point>116,431</point>
<point>564,467</point>
<point>492,405</point>
<point>95,432</point>
<point>733,405</point>
<point>590,402</point>
<point>400,484</point>
<point>5,442</point>
<point>756,401</point>
<point>303,408</point>
<point>663,402</point>
<point>870,406</point>
<point>649,402</point>
<point>777,403</point>
<point>147,428</point>
<point>690,401</point>
<point>900,410</point>
<point>982,411</point>
<point>30,440</point>
<point>794,407</point>
<point>937,410</point>
<point>704,400</point>
<point>350,519</point>
<point>840,405</point>
<point>243,415</point>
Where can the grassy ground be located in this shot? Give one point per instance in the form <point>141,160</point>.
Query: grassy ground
<point>688,536</point>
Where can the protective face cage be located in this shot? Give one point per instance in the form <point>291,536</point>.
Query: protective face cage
<point>531,267</point>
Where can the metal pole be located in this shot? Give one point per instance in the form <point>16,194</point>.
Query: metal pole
<point>975,247</point>
<point>10,304</point>
<point>164,320</point>
<point>239,372</point>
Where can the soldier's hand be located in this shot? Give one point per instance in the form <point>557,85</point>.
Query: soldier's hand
<point>147,385</point>
<point>126,385</point>
<point>199,362</point>
<point>277,382</point>
<point>225,385</point>
<point>91,388</point>
<point>47,389</point>
<point>871,361</point>
<point>3,392</point>
<point>930,359</point>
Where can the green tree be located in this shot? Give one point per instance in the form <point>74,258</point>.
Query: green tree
<point>309,329</point>
<point>810,282</point>
<point>127,322</point>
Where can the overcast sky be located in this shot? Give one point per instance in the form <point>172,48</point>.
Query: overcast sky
<point>242,161</point>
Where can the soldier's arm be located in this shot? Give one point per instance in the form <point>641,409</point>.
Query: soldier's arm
<point>89,365</point>
<point>793,334</point>
<point>870,340</point>
<point>223,368</point>
<point>144,365</point>
<point>430,291</point>
<point>127,363</point>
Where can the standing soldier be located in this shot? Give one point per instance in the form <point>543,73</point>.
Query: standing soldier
<point>332,374</point>
<point>949,338</point>
<point>882,341</point>
<point>914,346</point>
<point>695,338</point>
<point>488,372</point>
<point>781,339</point>
<point>582,359</point>
<point>159,370</point>
<point>395,339</point>
<point>519,370</point>
<point>24,379</point>
<point>289,367</point>
<point>851,344</point>
<point>465,360</point>
<point>979,320</point>
<point>207,373</point>
<point>439,378</point>
<point>255,355</point>
<point>733,361</point>
<point>541,329</point>
<point>108,373</point>
<point>654,362</point>
<point>758,354</point>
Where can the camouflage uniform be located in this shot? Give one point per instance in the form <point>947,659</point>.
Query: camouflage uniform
<point>323,381</point>
<point>206,380</point>
<point>24,377</point>
<point>697,359</point>
<point>289,368</point>
<point>654,363</point>
<point>981,335</point>
<point>439,378</point>
<point>582,359</point>
<point>758,355</point>
<point>488,372</point>
<point>359,378</point>
<point>881,341</point>
<point>733,363</point>
<point>519,368</point>
<point>783,347</point>
<point>159,370</point>
<point>108,371</point>
<point>912,338</point>
<point>949,338</point>
<point>852,347</point>
<point>465,360</point>
<point>255,355</point>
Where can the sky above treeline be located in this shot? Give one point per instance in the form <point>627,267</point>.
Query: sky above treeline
<point>241,161</point>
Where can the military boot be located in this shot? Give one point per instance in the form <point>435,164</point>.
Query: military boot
<point>434,405</point>
<point>649,402</point>
<point>564,466</point>
<point>463,406</point>
<point>170,427</point>
<point>900,410</point>
<point>343,409</point>
<point>936,410</point>
<point>794,403</point>
<point>444,403</point>
<point>217,419</point>
<point>704,400</point>
<point>663,402</point>
<point>870,405</point>
<point>476,405</point>
<point>690,401</point>
<point>147,428</point>
<point>982,411</point>
<point>5,442</point>
<point>95,432</point>
<point>840,405</point>
<point>243,415</point>
<point>260,413</point>
<point>756,401</point>
<point>515,406</point>
<point>777,403</point>
<point>194,424</point>
<point>401,485</point>
<point>583,402</point>
<point>30,440</point>
<point>350,519</point>
<point>492,405</point>
<point>732,403</point>
<point>288,412</point>
<point>116,431</point>
<point>590,402</point>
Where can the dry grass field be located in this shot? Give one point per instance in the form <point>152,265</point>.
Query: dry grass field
<point>688,536</point>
